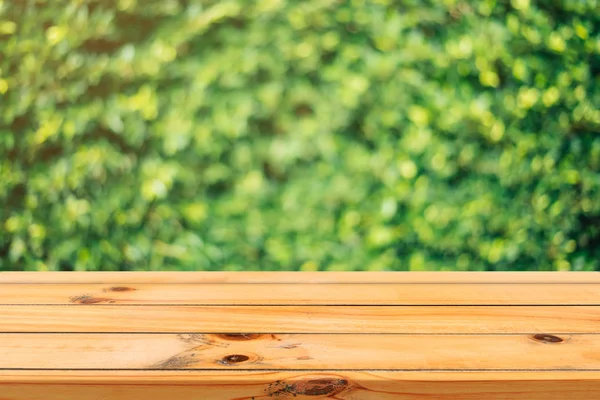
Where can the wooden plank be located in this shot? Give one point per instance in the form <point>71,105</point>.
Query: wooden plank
<point>440,336</point>
<point>300,352</point>
<point>303,294</point>
<point>263,385</point>
<point>298,277</point>
<point>301,319</point>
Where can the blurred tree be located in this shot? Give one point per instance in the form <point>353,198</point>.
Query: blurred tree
<point>315,134</point>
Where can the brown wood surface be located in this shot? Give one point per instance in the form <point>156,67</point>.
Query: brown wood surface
<point>267,385</point>
<point>300,351</point>
<point>264,335</point>
<point>301,319</point>
<point>299,277</point>
<point>304,294</point>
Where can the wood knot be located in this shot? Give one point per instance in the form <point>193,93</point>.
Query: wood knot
<point>308,387</point>
<point>119,289</point>
<point>233,359</point>
<point>321,387</point>
<point>547,338</point>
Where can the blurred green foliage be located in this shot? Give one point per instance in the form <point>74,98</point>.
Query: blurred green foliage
<point>313,135</point>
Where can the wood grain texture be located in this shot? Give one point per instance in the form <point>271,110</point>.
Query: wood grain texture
<point>300,352</point>
<point>266,385</point>
<point>303,294</point>
<point>299,277</point>
<point>301,319</point>
<point>249,336</point>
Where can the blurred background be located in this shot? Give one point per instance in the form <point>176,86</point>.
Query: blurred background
<point>299,135</point>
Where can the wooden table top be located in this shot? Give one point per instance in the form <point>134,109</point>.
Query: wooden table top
<point>280,335</point>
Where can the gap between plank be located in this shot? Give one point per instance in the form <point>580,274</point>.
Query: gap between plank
<point>300,370</point>
<point>300,333</point>
<point>294,305</point>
